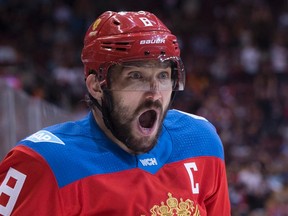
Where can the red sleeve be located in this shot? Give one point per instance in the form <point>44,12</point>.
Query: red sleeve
<point>27,185</point>
<point>219,203</point>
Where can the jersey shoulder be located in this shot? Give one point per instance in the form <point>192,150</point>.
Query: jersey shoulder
<point>78,145</point>
<point>59,136</point>
<point>192,136</point>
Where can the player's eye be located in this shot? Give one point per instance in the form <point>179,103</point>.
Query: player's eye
<point>135,75</point>
<point>164,75</point>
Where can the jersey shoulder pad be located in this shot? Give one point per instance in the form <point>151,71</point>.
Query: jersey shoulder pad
<point>192,135</point>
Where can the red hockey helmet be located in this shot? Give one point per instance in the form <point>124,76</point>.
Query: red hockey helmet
<point>115,38</point>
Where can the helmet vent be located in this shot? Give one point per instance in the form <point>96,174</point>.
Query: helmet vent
<point>120,49</point>
<point>175,44</point>
<point>122,43</point>
<point>117,46</point>
<point>116,22</point>
<point>147,53</point>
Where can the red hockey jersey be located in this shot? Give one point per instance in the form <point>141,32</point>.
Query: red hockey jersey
<point>73,169</point>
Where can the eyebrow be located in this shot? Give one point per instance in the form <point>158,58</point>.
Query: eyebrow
<point>164,64</point>
<point>118,70</point>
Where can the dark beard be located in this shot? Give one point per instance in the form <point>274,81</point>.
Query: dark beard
<point>122,130</point>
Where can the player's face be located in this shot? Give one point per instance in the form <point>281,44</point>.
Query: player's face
<point>141,97</point>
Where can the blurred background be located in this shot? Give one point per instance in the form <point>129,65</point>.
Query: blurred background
<point>235,53</point>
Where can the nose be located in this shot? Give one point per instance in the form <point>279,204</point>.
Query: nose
<point>154,85</point>
<point>154,93</point>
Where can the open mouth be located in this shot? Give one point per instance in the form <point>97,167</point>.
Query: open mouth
<point>147,120</point>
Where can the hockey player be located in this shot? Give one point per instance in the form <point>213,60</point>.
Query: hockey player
<point>131,155</point>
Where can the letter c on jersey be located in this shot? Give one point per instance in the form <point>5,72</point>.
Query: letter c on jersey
<point>189,167</point>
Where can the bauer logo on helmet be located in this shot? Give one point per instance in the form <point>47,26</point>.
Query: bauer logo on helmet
<point>153,41</point>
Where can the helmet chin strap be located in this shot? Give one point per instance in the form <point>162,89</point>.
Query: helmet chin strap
<point>106,109</point>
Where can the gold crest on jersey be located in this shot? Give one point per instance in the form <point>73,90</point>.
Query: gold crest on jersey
<point>175,208</point>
